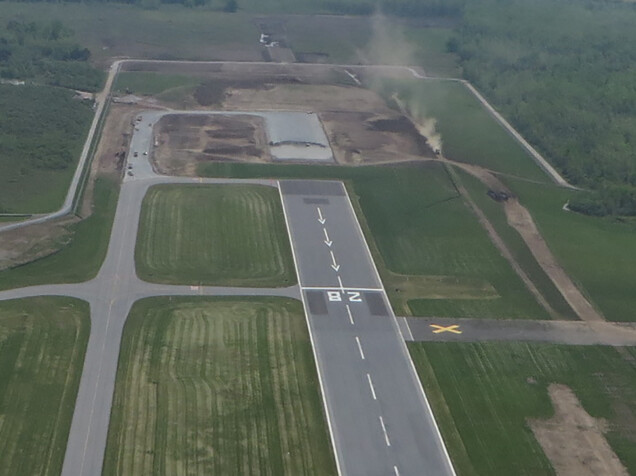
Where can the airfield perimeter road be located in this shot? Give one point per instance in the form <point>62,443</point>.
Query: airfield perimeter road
<point>380,421</point>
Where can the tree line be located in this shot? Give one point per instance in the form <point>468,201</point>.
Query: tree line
<point>564,73</point>
<point>46,53</point>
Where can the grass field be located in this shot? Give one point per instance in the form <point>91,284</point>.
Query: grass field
<point>42,345</point>
<point>216,387</point>
<point>151,84</point>
<point>598,253</point>
<point>497,217</point>
<point>225,235</point>
<point>469,133</point>
<point>81,259</point>
<point>419,226</point>
<point>482,395</point>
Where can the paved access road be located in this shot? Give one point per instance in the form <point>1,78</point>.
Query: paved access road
<point>430,329</point>
<point>380,421</point>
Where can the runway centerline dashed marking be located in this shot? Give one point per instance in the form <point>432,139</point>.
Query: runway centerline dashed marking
<point>360,347</point>
<point>396,471</point>
<point>350,315</point>
<point>386,435</point>
<point>371,387</point>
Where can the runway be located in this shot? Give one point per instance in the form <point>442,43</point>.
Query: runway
<point>380,421</point>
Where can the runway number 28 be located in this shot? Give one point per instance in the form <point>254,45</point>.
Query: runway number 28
<point>336,296</point>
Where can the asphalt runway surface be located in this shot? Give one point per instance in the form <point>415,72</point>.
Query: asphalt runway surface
<point>380,421</point>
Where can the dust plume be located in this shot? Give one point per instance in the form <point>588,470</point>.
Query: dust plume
<point>389,46</point>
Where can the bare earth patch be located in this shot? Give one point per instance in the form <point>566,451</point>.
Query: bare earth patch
<point>182,142</point>
<point>573,441</point>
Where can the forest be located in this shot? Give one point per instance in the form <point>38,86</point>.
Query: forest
<point>46,53</point>
<point>564,73</point>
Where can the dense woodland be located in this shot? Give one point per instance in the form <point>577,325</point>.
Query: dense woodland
<point>33,136</point>
<point>46,53</point>
<point>564,73</point>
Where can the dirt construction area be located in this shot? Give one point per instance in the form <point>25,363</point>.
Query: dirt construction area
<point>360,126</point>
<point>573,440</point>
<point>182,142</point>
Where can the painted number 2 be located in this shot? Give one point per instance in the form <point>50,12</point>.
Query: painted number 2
<point>336,296</point>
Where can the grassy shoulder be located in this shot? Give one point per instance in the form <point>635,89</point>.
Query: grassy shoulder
<point>42,131</point>
<point>483,394</point>
<point>217,386</point>
<point>468,132</point>
<point>81,259</point>
<point>598,253</point>
<point>223,235</point>
<point>422,235</point>
<point>42,346</point>
<point>497,217</point>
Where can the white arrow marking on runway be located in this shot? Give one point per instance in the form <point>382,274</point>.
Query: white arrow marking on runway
<point>350,315</point>
<point>371,386</point>
<point>334,265</point>
<point>328,242</point>
<point>386,436</point>
<point>360,347</point>
<point>320,218</point>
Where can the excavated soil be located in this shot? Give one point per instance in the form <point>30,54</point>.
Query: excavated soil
<point>573,441</point>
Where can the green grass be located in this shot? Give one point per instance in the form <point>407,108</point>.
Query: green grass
<point>42,345</point>
<point>599,254</point>
<point>151,84</point>
<point>482,395</point>
<point>497,217</point>
<point>217,386</point>
<point>81,259</point>
<point>224,235</point>
<point>469,133</point>
<point>429,45</point>
<point>417,225</point>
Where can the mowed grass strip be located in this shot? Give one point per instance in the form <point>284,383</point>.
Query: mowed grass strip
<point>42,346</point>
<point>224,235</point>
<point>217,386</point>
<point>482,395</point>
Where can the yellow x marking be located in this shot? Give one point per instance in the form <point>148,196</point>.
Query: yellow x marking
<point>439,329</point>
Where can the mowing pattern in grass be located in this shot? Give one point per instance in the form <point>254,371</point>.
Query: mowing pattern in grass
<point>217,387</point>
<point>482,395</point>
<point>42,345</point>
<point>231,235</point>
<point>417,225</point>
<point>598,253</point>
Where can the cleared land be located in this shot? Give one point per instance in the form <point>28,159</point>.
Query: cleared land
<point>225,235</point>
<point>216,387</point>
<point>421,233</point>
<point>483,396</point>
<point>42,345</point>
<point>185,141</point>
